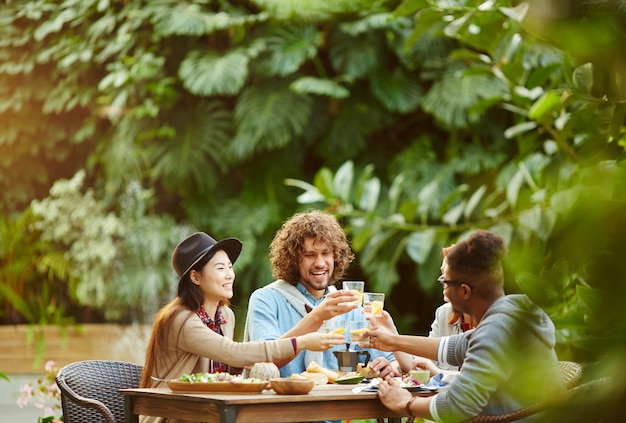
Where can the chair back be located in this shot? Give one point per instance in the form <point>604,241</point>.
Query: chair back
<point>90,390</point>
<point>572,373</point>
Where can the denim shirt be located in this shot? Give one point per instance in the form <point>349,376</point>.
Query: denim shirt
<point>270,315</point>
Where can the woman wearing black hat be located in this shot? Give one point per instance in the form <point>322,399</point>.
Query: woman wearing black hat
<point>194,332</point>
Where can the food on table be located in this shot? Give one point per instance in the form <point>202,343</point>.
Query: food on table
<point>314,367</point>
<point>351,378</point>
<point>318,378</point>
<point>367,371</point>
<point>264,371</point>
<point>405,381</point>
<point>422,375</point>
<point>223,377</point>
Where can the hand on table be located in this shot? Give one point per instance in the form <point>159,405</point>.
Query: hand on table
<point>384,366</point>
<point>393,397</point>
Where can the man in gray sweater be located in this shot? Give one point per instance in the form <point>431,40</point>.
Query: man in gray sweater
<point>507,362</point>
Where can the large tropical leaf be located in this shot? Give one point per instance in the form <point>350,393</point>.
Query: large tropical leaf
<point>452,98</point>
<point>269,116</point>
<point>311,10</point>
<point>319,86</point>
<point>348,131</point>
<point>397,90</point>
<point>194,157</point>
<point>355,56</point>
<point>208,73</point>
<point>191,19</point>
<point>288,47</point>
<point>180,19</point>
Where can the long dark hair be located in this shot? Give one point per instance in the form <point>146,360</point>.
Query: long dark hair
<point>189,298</point>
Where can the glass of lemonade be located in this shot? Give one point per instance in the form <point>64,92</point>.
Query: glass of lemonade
<point>357,287</point>
<point>373,303</point>
<point>335,326</point>
<point>357,329</point>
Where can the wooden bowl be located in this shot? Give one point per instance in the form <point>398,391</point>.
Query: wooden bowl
<point>287,386</point>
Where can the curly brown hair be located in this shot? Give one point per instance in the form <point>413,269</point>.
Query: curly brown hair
<point>285,251</point>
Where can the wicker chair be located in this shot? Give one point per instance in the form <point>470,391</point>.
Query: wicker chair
<point>89,390</point>
<point>572,375</point>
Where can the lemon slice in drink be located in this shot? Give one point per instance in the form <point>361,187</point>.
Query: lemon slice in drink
<point>359,295</point>
<point>377,307</point>
<point>339,331</point>
<point>358,331</point>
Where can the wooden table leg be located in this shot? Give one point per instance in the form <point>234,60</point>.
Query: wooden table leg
<point>129,417</point>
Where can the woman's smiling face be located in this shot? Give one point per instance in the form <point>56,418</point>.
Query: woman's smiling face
<point>217,278</point>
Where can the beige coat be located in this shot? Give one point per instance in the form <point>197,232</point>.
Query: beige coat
<point>192,345</point>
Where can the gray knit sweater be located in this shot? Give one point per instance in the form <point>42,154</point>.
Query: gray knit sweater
<point>508,362</point>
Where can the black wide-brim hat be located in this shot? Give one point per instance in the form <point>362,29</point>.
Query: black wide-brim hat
<point>193,248</point>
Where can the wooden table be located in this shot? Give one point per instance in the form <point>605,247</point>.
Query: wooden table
<point>329,402</point>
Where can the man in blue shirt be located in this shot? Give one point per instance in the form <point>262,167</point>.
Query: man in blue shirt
<point>309,254</point>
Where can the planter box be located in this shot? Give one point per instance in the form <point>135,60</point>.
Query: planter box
<point>75,343</point>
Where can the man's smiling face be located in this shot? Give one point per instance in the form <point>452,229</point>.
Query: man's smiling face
<point>316,266</point>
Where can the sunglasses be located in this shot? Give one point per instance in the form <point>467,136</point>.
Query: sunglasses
<point>442,281</point>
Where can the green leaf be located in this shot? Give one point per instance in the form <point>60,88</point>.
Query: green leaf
<point>420,244</point>
<point>367,24</point>
<point>517,13</point>
<point>324,182</point>
<point>473,202</point>
<point>371,192</point>
<point>518,129</point>
<point>269,116</point>
<point>410,7</point>
<point>201,143</point>
<point>583,78</point>
<point>211,73</point>
<point>310,195</point>
<point>453,28</point>
<point>545,105</point>
<point>398,91</point>
<point>453,215</point>
<point>563,201</point>
<point>343,181</point>
<point>592,298</point>
<point>319,86</point>
<point>355,56</point>
<point>288,48</point>
<point>451,99</point>
<point>182,19</point>
<point>513,187</point>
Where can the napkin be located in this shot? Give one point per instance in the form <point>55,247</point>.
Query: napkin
<point>440,380</point>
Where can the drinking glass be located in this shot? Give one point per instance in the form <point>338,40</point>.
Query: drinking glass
<point>373,303</point>
<point>357,287</point>
<point>334,326</point>
<point>357,329</point>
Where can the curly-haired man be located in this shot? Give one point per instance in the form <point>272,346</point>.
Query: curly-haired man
<point>308,255</point>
